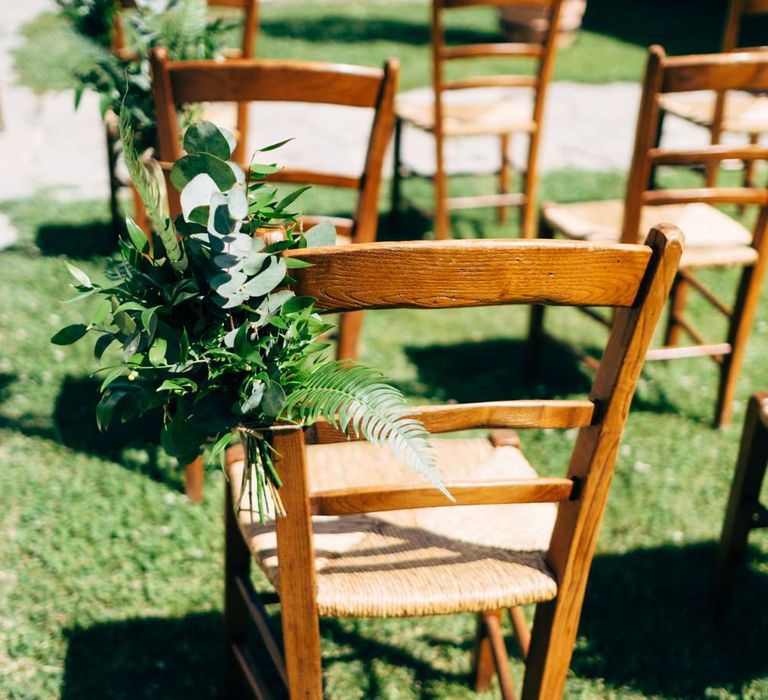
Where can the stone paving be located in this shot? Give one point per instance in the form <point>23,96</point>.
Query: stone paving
<point>48,145</point>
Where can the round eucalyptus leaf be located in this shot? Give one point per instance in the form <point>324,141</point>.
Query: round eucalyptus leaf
<point>197,193</point>
<point>195,164</point>
<point>205,137</point>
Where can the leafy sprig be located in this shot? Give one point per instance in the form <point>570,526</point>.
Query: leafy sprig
<point>202,322</point>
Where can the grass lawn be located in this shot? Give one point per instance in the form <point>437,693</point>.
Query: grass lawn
<point>611,46</point>
<point>111,580</point>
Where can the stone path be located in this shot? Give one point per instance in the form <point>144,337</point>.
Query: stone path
<point>48,145</point>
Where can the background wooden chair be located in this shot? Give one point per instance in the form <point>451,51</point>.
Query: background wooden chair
<point>445,119</point>
<point>712,239</point>
<point>391,547</point>
<point>739,113</point>
<point>176,83</point>
<point>120,48</point>
<point>745,512</point>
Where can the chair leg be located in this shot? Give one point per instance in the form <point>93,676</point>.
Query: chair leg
<point>530,188</point>
<point>678,295</point>
<point>522,632</point>
<point>504,173</point>
<point>712,169</point>
<point>194,477</point>
<point>554,635</point>
<point>442,213</point>
<point>237,564</point>
<point>536,323</point>
<point>397,179</point>
<point>741,325</point>
<point>491,655</point>
<point>482,661</point>
<point>749,168</point>
<point>745,492</point>
<point>350,326</point>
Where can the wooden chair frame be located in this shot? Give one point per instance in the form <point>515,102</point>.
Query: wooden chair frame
<point>120,49</point>
<point>182,82</point>
<point>745,512</point>
<point>441,55</point>
<point>681,74</point>
<point>635,280</point>
<point>737,11</point>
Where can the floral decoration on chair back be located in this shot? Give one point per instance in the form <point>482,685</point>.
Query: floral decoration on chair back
<point>198,320</point>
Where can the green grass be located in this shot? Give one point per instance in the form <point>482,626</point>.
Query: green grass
<point>611,46</point>
<point>111,581</point>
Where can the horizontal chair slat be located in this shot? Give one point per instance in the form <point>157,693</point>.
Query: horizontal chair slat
<point>472,273</point>
<point>481,81</point>
<point>484,50</point>
<point>274,81</point>
<point>709,195</point>
<point>727,71</point>
<point>494,3</point>
<point>663,156</point>
<point>383,498</point>
<point>312,177</point>
<point>566,413</point>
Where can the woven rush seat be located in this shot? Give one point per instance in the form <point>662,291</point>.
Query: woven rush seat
<point>744,113</point>
<point>425,561</point>
<point>712,238</point>
<point>471,119</point>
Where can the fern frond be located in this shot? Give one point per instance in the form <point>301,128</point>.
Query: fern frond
<point>151,192</point>
<point>356,400</point>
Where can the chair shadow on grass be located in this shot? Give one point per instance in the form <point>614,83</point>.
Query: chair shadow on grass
<point>492,370</point>
<point>74,417</point>
<point>78,241</point>
<point>647,625</point>
<point>139,659</point>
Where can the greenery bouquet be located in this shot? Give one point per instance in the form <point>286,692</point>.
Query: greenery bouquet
<point>199,320</point>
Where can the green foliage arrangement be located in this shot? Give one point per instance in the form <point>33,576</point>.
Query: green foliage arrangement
<point>201,323</point>
<point>181,26</point>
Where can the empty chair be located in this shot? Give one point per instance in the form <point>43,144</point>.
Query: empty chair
<point>182,82</point>
<point>712,238</point>
<point>740,112</point>
<point>474,114</point>
<point>745,512</point>
<point>390,545</point>
<point>247,49</point>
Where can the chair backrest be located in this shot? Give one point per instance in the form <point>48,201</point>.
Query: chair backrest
<point>247,48</point>
<point>664,75</point>
<point>633,279</point>
<point>182,82</point>
<point>543,53</point>
<point>738,11</point>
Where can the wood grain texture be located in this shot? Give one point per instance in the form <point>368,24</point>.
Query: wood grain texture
<point>486,273</point>
<point>275,80</point>
<point>593,461</point>
<point>494,3</point>
<point>298,587</point>
<point>738,70</point>
<point>374,499</point>
<point>487,50</point>
<point>484,81</point>
<point>707,195</point>
<point>716,152</point>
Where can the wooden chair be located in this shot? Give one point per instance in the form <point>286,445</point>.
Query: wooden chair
<point>247,49</point>
<point>445,118</point>
<point>741,113</point>
<point>713,239</point>
<point>181,82</point>
<point>390,544</point>
<point>745,512</point>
